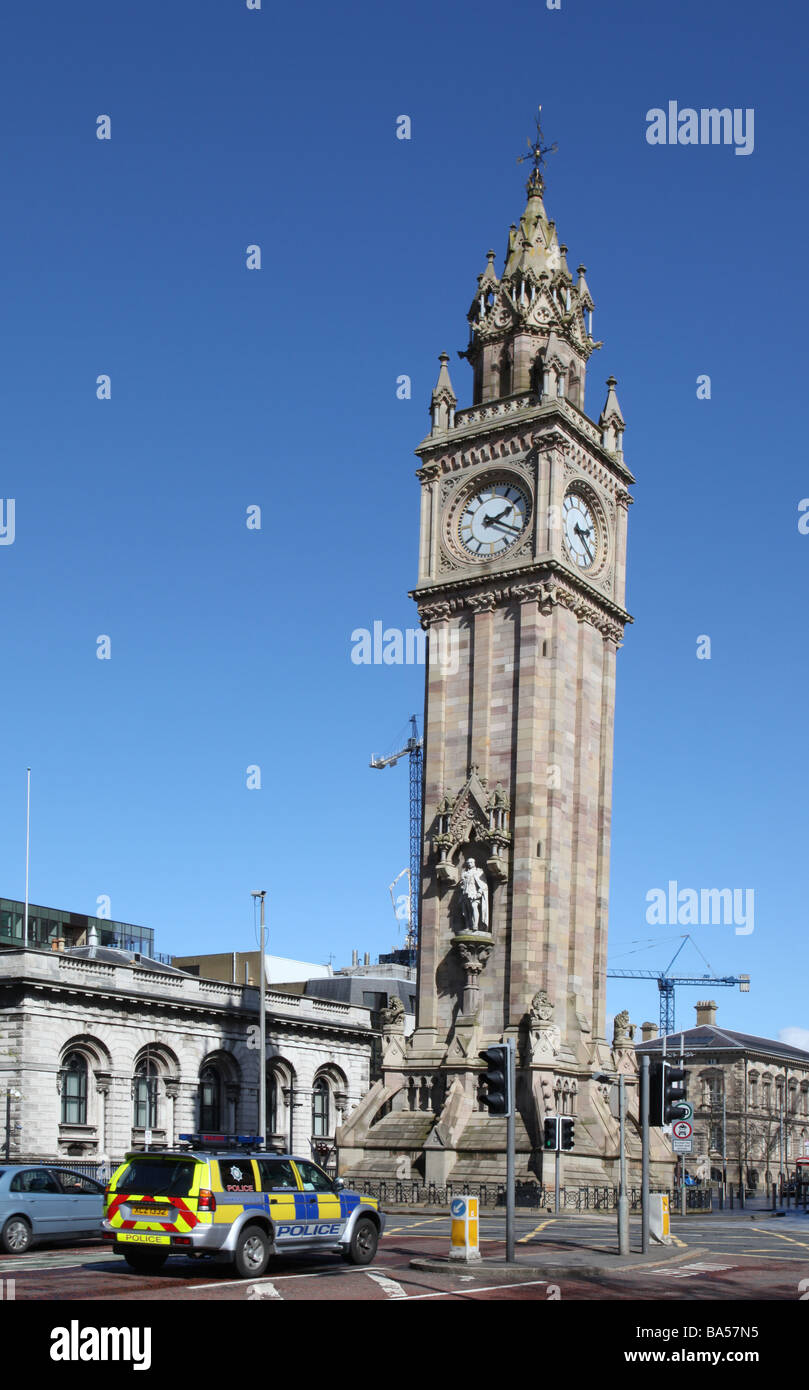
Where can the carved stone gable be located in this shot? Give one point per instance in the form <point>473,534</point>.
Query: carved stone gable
<point>470,809</point>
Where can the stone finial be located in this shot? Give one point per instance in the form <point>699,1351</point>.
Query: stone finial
<point>611,421</point>
<point>444,400</point>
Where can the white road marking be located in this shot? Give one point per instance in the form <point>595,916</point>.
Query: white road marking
<point>689,1271</point>
<point>390,1287</point>
<point>491,1288</point>
<point>335,1273</point>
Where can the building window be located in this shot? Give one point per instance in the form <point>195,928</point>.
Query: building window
<point>320,1109</point>
<point>210,1099</point>
<point>74,1090</point>
<point>145,1110</point>
<point>272,1104</point>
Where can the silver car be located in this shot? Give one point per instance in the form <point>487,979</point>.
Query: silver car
<point>46,1203</point>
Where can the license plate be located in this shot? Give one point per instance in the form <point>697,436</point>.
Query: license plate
<point>155,1212</point>
<point>136,1238</point>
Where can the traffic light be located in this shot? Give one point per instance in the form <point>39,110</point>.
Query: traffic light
<point>566,1123</point>
<point>496,1079</point>
<point>667,1091</point>
<point>656,1093</point>
<point>675,1081</point>
<point>551,1135</point>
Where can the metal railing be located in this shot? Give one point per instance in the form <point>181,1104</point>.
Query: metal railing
<point>530,1195</point>
<point>100,1169</point>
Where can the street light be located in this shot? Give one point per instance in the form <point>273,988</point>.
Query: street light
<point>262,1031</point>
<point>623,1201</point>
<point>17,1096</point>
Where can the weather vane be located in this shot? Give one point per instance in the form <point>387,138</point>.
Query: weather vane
<point>536,150</point>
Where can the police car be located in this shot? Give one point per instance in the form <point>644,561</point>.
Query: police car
<point>223,1196</point>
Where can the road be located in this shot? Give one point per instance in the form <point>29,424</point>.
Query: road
<point>735,1259</point>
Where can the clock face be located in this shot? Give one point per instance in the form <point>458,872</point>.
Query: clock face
<point>581,531</point>
<point>491,519</point>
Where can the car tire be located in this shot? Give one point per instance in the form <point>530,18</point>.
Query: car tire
<point>364,1242</point>
<point>252,1252</point>
<point>145,1261</point>
<point>15,1236</point>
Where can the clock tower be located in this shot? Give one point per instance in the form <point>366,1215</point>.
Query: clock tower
<point>521,580</point>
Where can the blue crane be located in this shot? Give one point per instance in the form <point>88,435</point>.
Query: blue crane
<point>414,749</point>
<point>666,983</point>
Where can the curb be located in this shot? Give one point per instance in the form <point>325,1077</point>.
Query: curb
<point>550,1271</point>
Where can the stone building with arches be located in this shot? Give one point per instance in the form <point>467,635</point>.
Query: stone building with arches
<point>103,1050</point>
<point>750,1097</point>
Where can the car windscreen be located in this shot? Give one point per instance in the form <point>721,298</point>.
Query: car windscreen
<point>157,1177</point>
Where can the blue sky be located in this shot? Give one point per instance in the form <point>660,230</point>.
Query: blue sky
<point>232,647</point>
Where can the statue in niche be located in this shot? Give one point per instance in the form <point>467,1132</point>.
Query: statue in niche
<point>474,898</point>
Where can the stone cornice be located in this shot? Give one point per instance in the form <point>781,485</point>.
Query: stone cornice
<point>547,584</point>
<point>106,995</point>
<point>493,418</point>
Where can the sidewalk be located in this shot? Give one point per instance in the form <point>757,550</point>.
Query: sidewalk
<point>564,1262</point>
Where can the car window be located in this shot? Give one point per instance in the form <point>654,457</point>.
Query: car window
<point>77,1184</point>
<point>156,1177</point>
<point>34,1180</point>
<point>276,1172</point>
<point>313,1178</point>
<point>237,1175</point>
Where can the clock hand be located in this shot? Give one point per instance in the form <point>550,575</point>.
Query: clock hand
<point>490,520</point>
<point>504,526</point>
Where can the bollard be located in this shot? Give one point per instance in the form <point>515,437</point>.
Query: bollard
<point>659,1224</point>
<point>773,1197</point>
<point>464,1237</point>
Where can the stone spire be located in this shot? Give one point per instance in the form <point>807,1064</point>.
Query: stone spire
<point>611,421</point>
<point>444,400</point>
<point>531,329</point>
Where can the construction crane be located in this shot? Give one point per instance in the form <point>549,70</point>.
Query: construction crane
<point>666,983</point>
<point>414,749</point>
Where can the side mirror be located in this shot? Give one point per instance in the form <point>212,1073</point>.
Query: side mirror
<point>338,1184</point>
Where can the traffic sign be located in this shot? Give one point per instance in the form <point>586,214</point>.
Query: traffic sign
<point>686,1110</point>
<point>681,1129</point>
<point>682,1146</point>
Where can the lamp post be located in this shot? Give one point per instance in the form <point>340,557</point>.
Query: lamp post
<point>623,1197</point>
<point>262,1030</point>
<point>17,1096</point>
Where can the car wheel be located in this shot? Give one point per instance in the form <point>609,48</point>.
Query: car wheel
<point>145,1261</point>
<point>364,1242</point>
<point>252,1253</point>
<point>15,1237</point>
